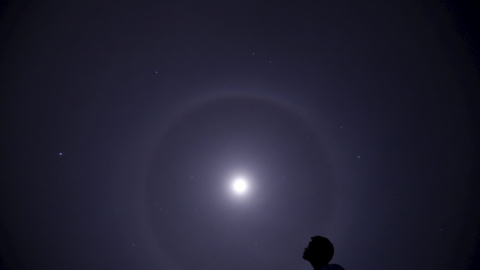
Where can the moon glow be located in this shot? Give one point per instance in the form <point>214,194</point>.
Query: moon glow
<point>240,185</point>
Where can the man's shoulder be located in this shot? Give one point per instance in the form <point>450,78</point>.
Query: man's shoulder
<point>332,267</point>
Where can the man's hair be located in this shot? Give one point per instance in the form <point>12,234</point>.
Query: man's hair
<point>323,249</point>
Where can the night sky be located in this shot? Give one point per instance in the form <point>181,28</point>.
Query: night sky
<point>125,123</point>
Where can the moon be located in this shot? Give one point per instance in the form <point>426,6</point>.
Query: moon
<point>240,185</point>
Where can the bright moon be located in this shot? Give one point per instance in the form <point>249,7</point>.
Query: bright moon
<point>240,185</point>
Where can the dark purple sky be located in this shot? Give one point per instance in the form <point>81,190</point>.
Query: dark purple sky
<point>123,124</point>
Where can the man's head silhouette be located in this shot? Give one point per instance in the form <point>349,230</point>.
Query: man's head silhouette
<point>319,252</point>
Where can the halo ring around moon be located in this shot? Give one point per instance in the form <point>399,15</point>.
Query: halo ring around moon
<point>202,102</point>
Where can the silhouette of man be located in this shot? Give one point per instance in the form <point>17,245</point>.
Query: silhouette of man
<point>319,253</point>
